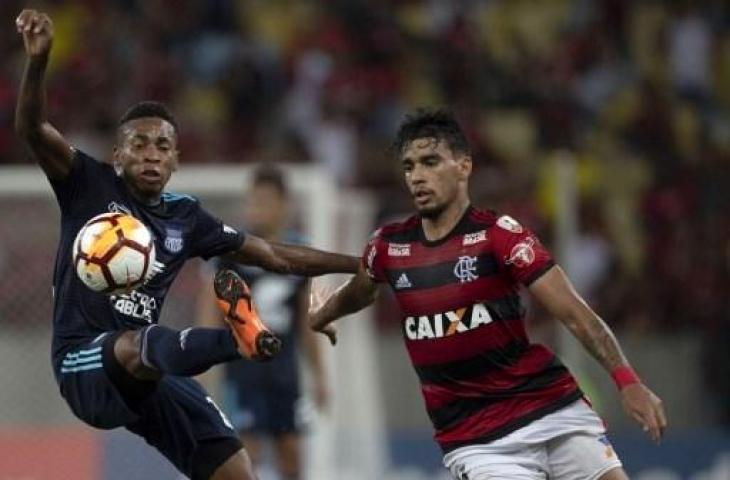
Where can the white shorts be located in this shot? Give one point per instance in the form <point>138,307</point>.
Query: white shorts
<point>569,444</point>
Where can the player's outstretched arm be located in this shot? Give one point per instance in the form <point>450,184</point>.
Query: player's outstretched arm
<point>49,148</point>
<point>352,296</point>
<point>292,259</point>
<point>557,294</point>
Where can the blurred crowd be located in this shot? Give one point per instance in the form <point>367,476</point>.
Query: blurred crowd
<point>635,94</point>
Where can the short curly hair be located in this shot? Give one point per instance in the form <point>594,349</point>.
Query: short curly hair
<point>427,123</point>
<point>148,108</point>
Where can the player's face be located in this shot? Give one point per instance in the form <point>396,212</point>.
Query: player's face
<point>146,155</point>
<point>434,174</point>
<point>266,210</point>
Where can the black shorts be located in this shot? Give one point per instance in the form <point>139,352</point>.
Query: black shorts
<point>174,414</point>
<point>264,398</point>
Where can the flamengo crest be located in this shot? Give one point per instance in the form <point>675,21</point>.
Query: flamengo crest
<point>466,269</point>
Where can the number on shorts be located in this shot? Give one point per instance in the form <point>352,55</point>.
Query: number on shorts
<point>220,412</point>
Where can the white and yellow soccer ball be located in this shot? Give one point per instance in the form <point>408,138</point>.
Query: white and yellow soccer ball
<point>114,253</point>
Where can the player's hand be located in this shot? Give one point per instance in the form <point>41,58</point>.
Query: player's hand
<point>318,296</point>
<point>37,30</point>
<point>646,408</point>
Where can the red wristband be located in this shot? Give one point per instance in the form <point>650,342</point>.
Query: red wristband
<point>624,376</point>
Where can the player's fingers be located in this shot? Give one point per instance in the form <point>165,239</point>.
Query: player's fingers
<point>651,425</point>
<point>661,418</point>
<point>31,22</point>
<point>332,335</point>
<point>22,19</point>
<point>640,418</point>
<point>41,23</point>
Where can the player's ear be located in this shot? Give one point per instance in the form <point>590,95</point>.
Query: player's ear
<point>465,165</point>
<point>116,160</point>
<point>176,160</point>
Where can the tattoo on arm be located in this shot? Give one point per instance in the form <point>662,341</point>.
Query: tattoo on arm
<point>557,294</point>
<point>597,338</point>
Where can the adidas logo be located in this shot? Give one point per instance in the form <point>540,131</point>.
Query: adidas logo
<point>403,282</point>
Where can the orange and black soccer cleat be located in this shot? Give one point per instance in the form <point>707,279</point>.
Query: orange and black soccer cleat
<point>254,340</point>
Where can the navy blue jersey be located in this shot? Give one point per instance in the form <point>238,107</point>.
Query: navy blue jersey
<point>181,229</point>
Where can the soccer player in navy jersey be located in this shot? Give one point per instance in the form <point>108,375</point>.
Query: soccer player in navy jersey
<point>501,407</point>
<point>114,364</point>
<point>264,401</point>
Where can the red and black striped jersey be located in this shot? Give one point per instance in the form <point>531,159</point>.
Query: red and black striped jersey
<point>463,324</point>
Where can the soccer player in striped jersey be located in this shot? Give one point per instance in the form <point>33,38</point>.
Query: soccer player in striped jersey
<point>501,407</point>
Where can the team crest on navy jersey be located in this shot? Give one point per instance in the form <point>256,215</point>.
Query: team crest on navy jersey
<point>173,240</point>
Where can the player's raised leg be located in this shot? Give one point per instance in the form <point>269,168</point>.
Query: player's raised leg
<point>156,350</point>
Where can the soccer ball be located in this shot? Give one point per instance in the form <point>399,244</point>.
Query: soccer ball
<point>114,253</point>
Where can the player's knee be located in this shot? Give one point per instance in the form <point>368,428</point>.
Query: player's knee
<point>128,352</point>
<point>237,467</point>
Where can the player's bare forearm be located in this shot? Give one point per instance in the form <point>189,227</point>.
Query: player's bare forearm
<point>30,112</point>
<point>47,145</point>
<point>350,297</point>
<point>556,293</point>
<point>293,259</point>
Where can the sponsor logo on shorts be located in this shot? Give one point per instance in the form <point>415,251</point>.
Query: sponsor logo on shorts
<point>609,448</point>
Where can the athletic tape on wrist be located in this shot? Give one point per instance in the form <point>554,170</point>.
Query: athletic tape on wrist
<point>624,376</point>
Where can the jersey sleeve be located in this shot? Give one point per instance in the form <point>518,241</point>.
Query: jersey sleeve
<point>519,251</point>
<point>84,169</point>
<point>372,258</point>
<point>211,237</point>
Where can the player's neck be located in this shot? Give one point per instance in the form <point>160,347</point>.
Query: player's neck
<point>436,228</point>
<point>145,199</point>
